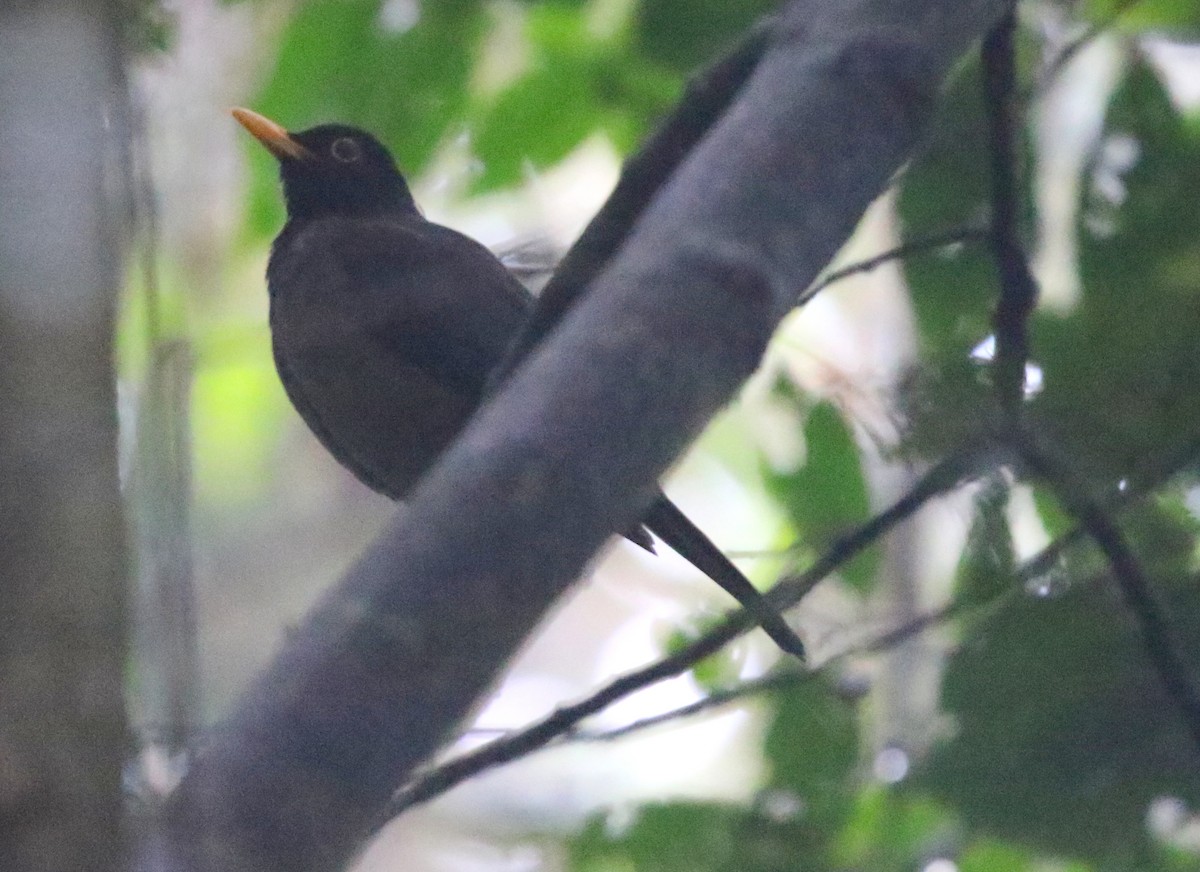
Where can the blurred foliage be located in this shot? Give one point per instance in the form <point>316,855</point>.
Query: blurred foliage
<point>1182,17</point>
<point>145,24</point>
<point>1140,265</point>
<point>948,186</point>
<point>1061,737</point>
<point>349,61</point>
<point>892,829</point>
<point>416,80</point>
<point>813,748</point>
<point>1064,733</point>
<point>235,420</point>
<point>827,495</point>
<point>988,561</point>
<point>684,33</point>
<point>549,109</point>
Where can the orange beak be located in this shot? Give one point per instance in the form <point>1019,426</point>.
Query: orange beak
<point>277,140</point>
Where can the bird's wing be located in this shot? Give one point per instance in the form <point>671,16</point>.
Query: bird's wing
<point>436,298</point>
<point>385,332</point>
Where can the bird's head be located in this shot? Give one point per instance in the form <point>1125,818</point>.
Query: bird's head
<point>333,169</point>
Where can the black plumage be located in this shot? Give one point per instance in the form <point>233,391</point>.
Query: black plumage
<point>385,326</point>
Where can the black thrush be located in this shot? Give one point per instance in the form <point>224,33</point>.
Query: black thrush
<point>385,327</point>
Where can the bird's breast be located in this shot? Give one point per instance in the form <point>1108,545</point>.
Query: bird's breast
<point>380,415</point>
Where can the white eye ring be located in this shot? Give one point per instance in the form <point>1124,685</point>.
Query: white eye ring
<point>345,150</point>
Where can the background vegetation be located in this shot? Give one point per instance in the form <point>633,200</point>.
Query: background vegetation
<point>984,699</point>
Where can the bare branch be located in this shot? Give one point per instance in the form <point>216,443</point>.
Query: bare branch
<point>920,245</point>
<point>1018,289</point>
<point>1018,293</point>
<point>1159,639</point>
<point>779,680</point>
<point>787,593</point>
<point>1033,568</point>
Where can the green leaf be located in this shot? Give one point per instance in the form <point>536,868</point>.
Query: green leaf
<point>993,856</point>
<point>341,60</point>
<point>1166,534</point>
<point>238,409</point>
<point>684,33</point>
<point>719,669</point>
<point>828,495</point>
<point>947,186</point>
<point>691,837</point>
<point>536,122</point>
<point>578,82</point>
<point>1064,734</point>
<point>636,94</point>
<point>985,570</point>
<point>812,746</point>
<point>892,830</point>
<point>1145,14</point>
<point>695,837</point>
<point>1051,513</point>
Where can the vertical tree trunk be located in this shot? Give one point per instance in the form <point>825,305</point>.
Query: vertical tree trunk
<point>62,578</point>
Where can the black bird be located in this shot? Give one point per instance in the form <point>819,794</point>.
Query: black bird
<point>385,327</point>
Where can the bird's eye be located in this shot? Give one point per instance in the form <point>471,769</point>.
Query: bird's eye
<point>345,150</point>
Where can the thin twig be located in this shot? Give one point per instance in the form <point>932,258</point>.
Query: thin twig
<point>1033,567</point>
<point>1150,478</point>
<point>783,679</point>
<point>779,680</point>
<point>1018,289</point>
<point>945,476</point>
<point>441,778</point>
<point>1018,293</point>
<point>1068,52</point>
<point>1142,600</point>
<point>564,722</point>
<point>920,245</point>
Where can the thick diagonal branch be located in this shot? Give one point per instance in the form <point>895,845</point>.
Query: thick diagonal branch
<point>569,450</point>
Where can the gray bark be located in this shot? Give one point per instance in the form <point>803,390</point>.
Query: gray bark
<point>570,449</point>
<point>62,579</point>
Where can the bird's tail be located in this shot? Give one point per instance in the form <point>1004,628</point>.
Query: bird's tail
<point>671,525</point>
